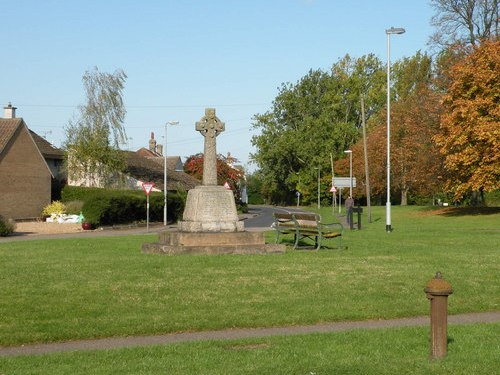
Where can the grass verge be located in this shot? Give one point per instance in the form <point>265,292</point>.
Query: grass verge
<point>472,349</point>
<point>57,290</point>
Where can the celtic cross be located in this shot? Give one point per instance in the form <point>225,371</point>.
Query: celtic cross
<point>210,126</point>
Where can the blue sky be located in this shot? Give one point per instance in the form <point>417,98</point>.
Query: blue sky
<point>183,56</point>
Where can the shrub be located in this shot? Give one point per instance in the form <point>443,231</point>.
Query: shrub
<point>7,226</point>
<point>113,206</point>
<point>55,207</point>
<point>94,210</point>
<point>74,207</point>
<point>242,207</point>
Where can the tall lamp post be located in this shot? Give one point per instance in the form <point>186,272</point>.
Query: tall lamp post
<point>165,209</point>
<point>297,189</point>
<point>350,171</point>
<point>390,31</point>
<point>319,190</point>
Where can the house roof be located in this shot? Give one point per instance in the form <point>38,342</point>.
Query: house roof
<point>8,127</point>
<point>152,169</point>
<point>143,151</point>
<point>46,148</point>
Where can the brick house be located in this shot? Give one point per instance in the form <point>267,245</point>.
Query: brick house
<point>25,177</point>
<point>54,157</point>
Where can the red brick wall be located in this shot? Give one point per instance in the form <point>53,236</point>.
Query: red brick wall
<point>24,179</point>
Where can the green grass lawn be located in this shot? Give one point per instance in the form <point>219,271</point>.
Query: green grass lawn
<point>473,349</point>
<point>56,290</point>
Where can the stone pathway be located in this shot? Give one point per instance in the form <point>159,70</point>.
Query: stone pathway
<point>238,333</point>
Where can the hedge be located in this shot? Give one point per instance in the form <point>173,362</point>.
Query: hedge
<point>112,206</point>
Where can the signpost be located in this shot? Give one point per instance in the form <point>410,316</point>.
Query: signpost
<point>147,187</point>
<point>333,190</point>
<point>344,182</point>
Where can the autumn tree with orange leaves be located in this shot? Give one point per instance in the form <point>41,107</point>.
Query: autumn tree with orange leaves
<point>469,135</point>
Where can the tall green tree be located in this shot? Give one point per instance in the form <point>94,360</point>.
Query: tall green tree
<point>309,120</point>
<point>93,138</point>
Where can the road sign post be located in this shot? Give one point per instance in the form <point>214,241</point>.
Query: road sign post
<point>147,187</point>
<point>333,190</point>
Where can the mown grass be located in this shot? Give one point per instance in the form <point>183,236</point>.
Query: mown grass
<point>56,290</point>
<point>472,349</point>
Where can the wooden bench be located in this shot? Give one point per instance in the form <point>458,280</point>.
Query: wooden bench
<point>306,225</point>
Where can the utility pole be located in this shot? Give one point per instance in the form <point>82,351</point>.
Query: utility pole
<point>367,173</point>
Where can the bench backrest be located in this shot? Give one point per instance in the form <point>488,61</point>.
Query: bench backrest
<point>306,219</point>
<point>283,220</point>
<point>282,216</point>
<point>307,216</point>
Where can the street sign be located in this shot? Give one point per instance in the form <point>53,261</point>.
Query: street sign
<point>147,187</point>
<point>333,190</point>
<point>344,182</point>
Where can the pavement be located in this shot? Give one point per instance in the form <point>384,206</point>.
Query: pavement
<point>238,333</point>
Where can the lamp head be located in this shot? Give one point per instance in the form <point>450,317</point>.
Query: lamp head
<point>172,123</point>
<point>348,151</point>
<point>395,30</point>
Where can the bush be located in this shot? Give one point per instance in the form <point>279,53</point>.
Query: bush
<point>492,198</point>
<point>74,207</point>
<point>242,207</point>
<point>113,206</point>
<point>7,226</point>
<point>175,203</point>
<point>55,207</point>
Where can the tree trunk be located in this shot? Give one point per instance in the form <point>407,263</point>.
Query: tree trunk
<point>404,197</point>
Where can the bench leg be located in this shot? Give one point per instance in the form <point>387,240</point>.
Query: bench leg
<point>297,237</point>
<point>318,242</point>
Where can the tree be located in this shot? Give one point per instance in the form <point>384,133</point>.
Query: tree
<point>464,21</point>
<point>92,140</point>
<point>311,119</point>
<point>415,159</point>
<point>469,135</point>
<point>225,171</point>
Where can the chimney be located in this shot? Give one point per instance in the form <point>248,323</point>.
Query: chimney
<point>152,143</point>
<point>159,149</point>
<point>9,111</point>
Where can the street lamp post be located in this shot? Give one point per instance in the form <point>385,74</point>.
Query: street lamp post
<point>350,171</point>
<point>319,190</point>
<point>297,189</point>
<point>390,31</point>
<point>165,209</point>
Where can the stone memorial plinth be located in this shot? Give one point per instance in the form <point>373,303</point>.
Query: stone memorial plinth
<point>210,209</point>
<point>210,223</point>
<point>208,243</point>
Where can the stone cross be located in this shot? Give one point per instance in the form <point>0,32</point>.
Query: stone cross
<point>210,126</point>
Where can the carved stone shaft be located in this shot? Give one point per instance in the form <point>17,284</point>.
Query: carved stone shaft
<point>210,126</point>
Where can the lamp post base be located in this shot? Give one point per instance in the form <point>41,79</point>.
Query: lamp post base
<point>388,228</point>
